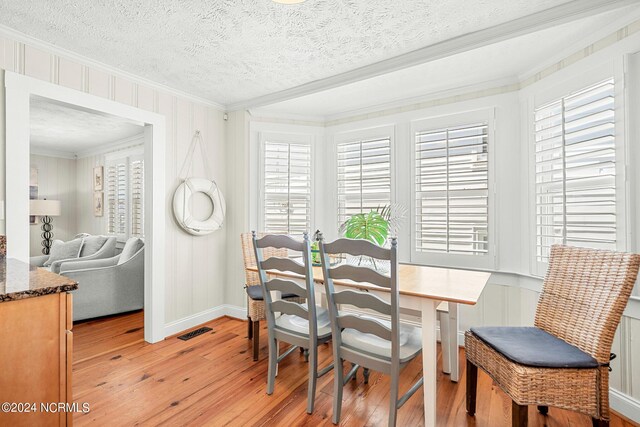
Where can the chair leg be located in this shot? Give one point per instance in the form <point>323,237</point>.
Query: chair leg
<point>599,423</point>
<point>393,407</point>
<point>365,374</point>
<point>518,415</point>
<point>444,342</point>
<point>249,328</point>
<point>313,376</point>
<point>255,334</point>
<point>273,364</point>
<point>338,380</point>
<point>544,410</point>
<point>472,387</point>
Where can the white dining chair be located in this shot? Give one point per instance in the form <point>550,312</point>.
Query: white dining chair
<point>386,346</point>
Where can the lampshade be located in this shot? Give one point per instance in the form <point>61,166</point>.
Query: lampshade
<point>44,207</point>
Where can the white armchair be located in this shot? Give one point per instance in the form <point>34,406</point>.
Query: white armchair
<point>108,286</point>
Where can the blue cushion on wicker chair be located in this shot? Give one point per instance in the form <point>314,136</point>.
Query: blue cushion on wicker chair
<point>532,346</point>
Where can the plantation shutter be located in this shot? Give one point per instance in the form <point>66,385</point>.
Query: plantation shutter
<point>136,180</point>
<point>452,190</point>
<point>364,176</point>
<point>287,187</point>
<point>576,170</point>
<point>117,198</point>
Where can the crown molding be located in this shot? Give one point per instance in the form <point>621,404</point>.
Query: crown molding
<point>48,152</point>
<point>500,86</point>
<point>83,60</point>
<point>561,14</point>
<point>118,145</point>
<point>589,40</point>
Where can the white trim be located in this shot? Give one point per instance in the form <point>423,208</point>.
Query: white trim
<point>48,152</point>
<point>117,145</point>
<point>180,325</point>
<point>484,115</point>
<point>557,15</point>
<point>189,322</point>
<point>19,90</point>
<point>83,60</point>
<point>624,404</point>
<point>235,311</point>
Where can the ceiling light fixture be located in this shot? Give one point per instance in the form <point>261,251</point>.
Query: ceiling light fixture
<point>289,1</point>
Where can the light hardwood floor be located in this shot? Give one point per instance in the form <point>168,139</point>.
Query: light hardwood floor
<point>212,380</point>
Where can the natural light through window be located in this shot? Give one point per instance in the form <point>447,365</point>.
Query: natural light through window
<point>452,190</point>
<point>576,170</point>
<point>364,176</point>
<point>287,187</point>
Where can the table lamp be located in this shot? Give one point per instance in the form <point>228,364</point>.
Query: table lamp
<point>45,209</point>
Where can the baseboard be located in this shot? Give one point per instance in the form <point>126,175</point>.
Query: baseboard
<point>624,405</point>
<point>235,311</point>
<point>205,316</point>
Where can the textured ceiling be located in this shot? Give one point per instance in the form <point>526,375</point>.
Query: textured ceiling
<point>233,50</point>
<point>492,63</point>
<point>62,128</point>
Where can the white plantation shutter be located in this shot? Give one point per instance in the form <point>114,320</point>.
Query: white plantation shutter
<point>576,170</point>
<point>452,190</point>
<point>117,198</point>
<point>136,180</point>
<point>364,176</point>
<point>125,196</point>
<point>287,187</point>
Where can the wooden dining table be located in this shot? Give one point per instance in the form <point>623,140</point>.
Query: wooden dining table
<point>421,290</point>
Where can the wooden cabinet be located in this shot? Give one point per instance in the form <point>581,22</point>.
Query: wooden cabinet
<point>36,345</point>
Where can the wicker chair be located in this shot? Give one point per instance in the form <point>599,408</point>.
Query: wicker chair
<point>583,297</point>
<point>255,302</point>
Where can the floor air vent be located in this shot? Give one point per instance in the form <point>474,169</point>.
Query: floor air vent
<point>194,333</point>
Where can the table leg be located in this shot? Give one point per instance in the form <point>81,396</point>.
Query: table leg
<point>429,368</point>
<point>454,354</point>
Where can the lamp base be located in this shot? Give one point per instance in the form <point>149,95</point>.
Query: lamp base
<point>47,234</point>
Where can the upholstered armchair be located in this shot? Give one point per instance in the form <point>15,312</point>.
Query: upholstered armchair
<point>110,285</point>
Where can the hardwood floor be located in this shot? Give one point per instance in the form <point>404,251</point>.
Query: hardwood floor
<point>212,380</point>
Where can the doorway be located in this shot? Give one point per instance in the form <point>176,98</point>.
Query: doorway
<point>20,93</point>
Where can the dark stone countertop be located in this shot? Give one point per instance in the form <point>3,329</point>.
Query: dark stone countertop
<point>19,280</point>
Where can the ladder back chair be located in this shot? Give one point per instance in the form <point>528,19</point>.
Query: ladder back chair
<point>301,325</point>
<point>255,298</point>
<point>383,346</point>
<point>562,361</point>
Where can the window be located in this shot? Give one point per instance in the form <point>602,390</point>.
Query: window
<point>364,176</point>
<point>287,187</point>
<point>452,190</point>
<point>575,170</point>
<point>125,196</point>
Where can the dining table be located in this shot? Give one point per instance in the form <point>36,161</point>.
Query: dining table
<point>422,289</point>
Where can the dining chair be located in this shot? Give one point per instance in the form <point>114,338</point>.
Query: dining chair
<point>255,299</point>
<point>385,346</point>
<point>562,361</point>
<point>301,325</point>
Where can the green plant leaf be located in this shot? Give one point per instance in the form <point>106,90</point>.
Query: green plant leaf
<point>370,226</point>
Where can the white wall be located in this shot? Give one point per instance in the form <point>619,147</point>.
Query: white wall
<point>56,181</point>
<point>87,222</point>
<point>195,266</point>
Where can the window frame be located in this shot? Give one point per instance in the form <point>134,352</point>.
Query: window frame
<point>440,259</point>
<point>378,132</point>
<point>555,92</point>
<point>284,138</point>
<point>134,153</point>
